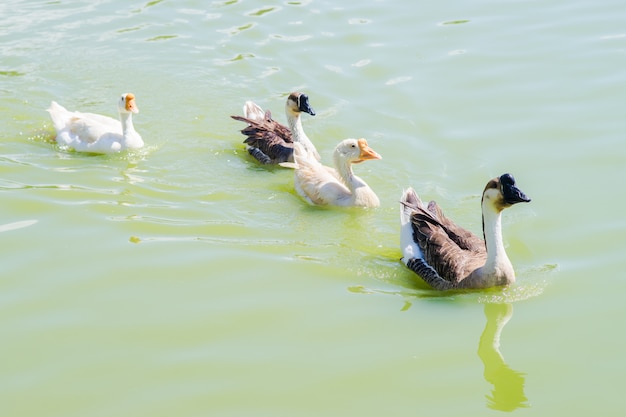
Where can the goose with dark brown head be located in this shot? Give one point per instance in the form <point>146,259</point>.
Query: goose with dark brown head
<point>448,256</point>
<point>271,142</point>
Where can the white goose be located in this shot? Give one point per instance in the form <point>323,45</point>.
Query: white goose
<point>447,256</point>
<point>271,142</point>
<point>89,132</point>
<point>322,185</point>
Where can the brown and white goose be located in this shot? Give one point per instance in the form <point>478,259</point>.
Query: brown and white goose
<point>322,185</point>
<point>448,256</point>
<point>271,142</point>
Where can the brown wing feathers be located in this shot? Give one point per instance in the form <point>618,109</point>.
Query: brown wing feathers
<point>269,141</point>
<point>445,245</point>
<point>461,236</point>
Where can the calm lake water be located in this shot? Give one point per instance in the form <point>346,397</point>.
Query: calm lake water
<point>186,280</point>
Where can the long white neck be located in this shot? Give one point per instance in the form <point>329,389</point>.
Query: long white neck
<point>361,193</point>
<point>498,263</point>
<point>344,168</point>
<point>295,125</point>
<point>132,139</point>
<point>127,122</point>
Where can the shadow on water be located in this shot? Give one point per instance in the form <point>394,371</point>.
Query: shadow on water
<point>508,384</point>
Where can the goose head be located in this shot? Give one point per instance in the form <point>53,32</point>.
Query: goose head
<point>355,151</point>
<point>501,192</point>
<point>297,103</point>
<point>127,104</point>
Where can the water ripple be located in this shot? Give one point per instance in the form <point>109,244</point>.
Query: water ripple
<point>358,21</point>
<point>235,30</point>
<point>238,57</point>
<point>161,38</point>
<point>292,38</point>
<point>12,73</point>
<point>148,5</point>
<point>261,12</point>
<point>17,225</point>
<point>454,22</point>
<point>398,80</point>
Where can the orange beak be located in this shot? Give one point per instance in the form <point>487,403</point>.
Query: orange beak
<point>130,103</point>
<point>367,152</point>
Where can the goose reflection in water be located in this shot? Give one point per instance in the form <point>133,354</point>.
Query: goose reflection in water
<point>508,384</point>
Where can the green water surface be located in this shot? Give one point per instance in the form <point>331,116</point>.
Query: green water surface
<point>186,280</point>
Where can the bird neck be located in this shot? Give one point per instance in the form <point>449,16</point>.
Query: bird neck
<point>360,193</point>
<point>354,183</point>
<point>295,125</point>
<point>127,122</point>
<point>131,137</point>
<point>498,263</point>
<point>344,168</point>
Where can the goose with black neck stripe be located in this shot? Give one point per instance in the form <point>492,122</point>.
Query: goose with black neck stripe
<point>271,142</point>
<point>448,256</point>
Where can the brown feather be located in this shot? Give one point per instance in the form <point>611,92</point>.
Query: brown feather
<point>269,136</point>
<point>451,250</point>
<point>459,235</point>
<point>454,257</point>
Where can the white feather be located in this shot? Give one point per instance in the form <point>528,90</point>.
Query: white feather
<point>409,247</point>
<point>89,132</point>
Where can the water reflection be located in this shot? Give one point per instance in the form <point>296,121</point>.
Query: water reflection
<point>129,174</point>
<point>508,384</point>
